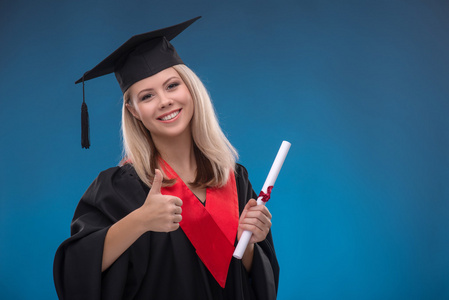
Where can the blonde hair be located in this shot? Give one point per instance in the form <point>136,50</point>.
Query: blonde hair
<point>214,154</point>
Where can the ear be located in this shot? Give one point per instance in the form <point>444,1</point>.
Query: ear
<point>132,110</point>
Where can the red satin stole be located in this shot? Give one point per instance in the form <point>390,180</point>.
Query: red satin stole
<point>211,228</point>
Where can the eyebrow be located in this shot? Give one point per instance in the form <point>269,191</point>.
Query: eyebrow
<point>150,89</point>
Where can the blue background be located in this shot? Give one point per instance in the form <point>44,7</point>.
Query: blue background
<point>360,89</point>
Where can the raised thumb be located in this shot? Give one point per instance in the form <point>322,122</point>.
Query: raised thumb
<point>157,182</point>
<point>248,205</point>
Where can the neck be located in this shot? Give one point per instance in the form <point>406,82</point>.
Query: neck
<point>179,154</point>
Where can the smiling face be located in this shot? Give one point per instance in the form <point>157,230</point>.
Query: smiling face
<point>163,103</point>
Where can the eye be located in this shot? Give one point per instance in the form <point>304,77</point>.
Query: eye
<point>172,85</point>
<point>146,97</point>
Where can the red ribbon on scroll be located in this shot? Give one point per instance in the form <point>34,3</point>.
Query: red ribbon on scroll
<point>266,197</point>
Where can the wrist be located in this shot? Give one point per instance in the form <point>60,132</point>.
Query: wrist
<point>247,258</point>
<point>249,249</point>
<point>138,220</point>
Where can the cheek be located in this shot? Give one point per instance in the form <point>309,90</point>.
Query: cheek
<point>192,109</point>
<point>145,110</point>
<point>189,101</point>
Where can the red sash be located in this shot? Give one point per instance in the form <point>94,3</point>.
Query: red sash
<point>211,228</point>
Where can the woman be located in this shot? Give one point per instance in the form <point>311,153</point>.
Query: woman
<point>164,224</point>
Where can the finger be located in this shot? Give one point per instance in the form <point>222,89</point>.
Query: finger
<point>255,230</point>
<point>177,218</point>
<point>177,201</point>
<point>251,203</point>
<point>255,238</point>
<point>253,217</point>
<point>262,209</point>
<point>248,206</point>
<point>172,227</point>
<point>157,182</point>
<point>256,227</point>
<point>178,210</point>
<point>267,212</point>
<point>260,221</point>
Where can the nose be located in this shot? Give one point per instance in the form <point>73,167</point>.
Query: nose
<point>165,101</point>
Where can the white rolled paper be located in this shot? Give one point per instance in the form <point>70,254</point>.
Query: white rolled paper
<point>271,179</point>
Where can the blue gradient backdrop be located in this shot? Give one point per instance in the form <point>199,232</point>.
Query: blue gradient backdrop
<point>360,89</point>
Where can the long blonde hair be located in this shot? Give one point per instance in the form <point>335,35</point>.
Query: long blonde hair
<point>215,156</point>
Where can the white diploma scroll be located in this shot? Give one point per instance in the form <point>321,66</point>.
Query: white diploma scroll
<point>266,190</point>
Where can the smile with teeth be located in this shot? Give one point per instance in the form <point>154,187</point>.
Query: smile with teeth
<point>170,116</point>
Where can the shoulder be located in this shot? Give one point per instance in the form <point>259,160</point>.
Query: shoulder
<point>244,187</point>
<point>116,173</point>
<point>241,171</point>
<point>116,183</point>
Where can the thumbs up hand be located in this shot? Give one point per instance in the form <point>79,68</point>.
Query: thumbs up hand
<point>160,213</point>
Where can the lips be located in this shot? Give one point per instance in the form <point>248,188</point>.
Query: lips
<point>169,116</point>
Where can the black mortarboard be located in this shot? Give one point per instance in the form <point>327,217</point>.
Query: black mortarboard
<point>139,57</point>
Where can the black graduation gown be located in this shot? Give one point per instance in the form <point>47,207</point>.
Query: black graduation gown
<point>157,265</point>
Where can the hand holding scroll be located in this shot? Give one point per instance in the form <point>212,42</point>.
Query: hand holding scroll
<point>256,219</point>
<point>264,195</point>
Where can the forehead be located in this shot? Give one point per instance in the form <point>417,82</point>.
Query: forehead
<point>153,81</point>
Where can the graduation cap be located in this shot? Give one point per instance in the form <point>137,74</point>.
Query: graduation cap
<point>139,57</point>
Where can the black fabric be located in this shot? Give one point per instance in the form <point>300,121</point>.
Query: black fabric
<point>141,56</point>
<point>157,265</point>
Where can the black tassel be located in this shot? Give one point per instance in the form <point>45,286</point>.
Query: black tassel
<point>85,139</point>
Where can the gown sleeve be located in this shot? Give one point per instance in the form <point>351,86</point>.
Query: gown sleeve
<point>264,275</point>
<point>77,265</point>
